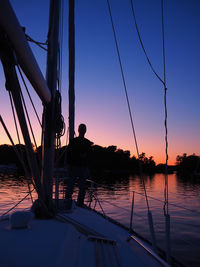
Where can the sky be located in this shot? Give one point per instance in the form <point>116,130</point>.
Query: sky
<point>100,97</point>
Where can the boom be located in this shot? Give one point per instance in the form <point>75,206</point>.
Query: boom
<point>23,52</point>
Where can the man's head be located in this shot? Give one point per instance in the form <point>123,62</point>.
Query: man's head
<point>82,130</point>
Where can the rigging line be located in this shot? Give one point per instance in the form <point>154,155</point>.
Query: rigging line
<point>35,42</point>
<point>61,42</point>
<point>172,204</point>
<point>163,39</point>
<point>29,122</point>
<point>127,98</point>
<point>142,45</point>
<point>114,205</point>
<point>20,158</point>
<point>18,203</point>
<point>165,95</point>
<point>16,127</point>
<point>59,72</point>
<point>96,198</point>
<point>165,121</point>
<point>41,43</point>
<point>166,193</point>
<point>20,149</point>
<point>159,200</point>
<point>67,136</point>
<point>20,72</point>
<point>63,153</point>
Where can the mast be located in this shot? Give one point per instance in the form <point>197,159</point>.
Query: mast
<point>71,44</point>
<point>48,144</point>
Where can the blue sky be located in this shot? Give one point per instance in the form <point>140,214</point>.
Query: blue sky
<point>100,98</point>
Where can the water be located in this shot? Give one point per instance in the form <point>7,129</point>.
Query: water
<point>116,198</point>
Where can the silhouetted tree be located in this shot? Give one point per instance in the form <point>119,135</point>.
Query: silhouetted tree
<point>148,164</point>
<point>7,155</point>
<point>100,159</point>
<point>188,164</point>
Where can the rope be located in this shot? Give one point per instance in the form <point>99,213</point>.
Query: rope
<point>60,156</point>
<point>13,112</point>
<point>61,47</point>
<point>17,203</point>
<point>142,45</point>
<point>14,147</point>
<point>20,157</point>
<point>29,122</point>
<point>36,42</point>
<point>127,99</point>
<point>163,81</point>
<point>163,39</point>
<point>172,204</point>
<point>20,150</point>
<point>166,194</point>
<point>114,205</point>
<point>60,124</point>
<point>29,95</point>
<point>63,152</point>
<point>59,119</point>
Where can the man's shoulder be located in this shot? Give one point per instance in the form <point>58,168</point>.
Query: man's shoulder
<point>88,142</point>
<point>73,142</point>
<point>77,140</point>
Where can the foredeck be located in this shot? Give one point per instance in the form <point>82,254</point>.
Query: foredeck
<point>80,238</point>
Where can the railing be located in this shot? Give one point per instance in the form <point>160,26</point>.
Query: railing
<point>134,217</point>
<point>59,189</point>
<point>94,202</point>
<point>11,207</point>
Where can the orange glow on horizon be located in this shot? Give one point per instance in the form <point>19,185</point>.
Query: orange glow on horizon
<point>158,155</point>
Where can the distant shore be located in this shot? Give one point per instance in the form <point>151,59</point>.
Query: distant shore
<point>105,160</point>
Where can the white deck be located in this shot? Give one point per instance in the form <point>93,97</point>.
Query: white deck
<point>57,243</point>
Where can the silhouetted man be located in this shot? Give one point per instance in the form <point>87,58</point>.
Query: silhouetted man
<point>77,160</point>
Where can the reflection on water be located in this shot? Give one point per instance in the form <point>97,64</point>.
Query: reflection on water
<point>185,213</point>
<point>116,196</point>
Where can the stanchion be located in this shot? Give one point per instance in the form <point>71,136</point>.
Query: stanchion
<point>131,219</point>
<point>151,227</point>
<point>167,236</point>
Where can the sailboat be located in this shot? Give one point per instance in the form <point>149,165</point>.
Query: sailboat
<point>51,236</point>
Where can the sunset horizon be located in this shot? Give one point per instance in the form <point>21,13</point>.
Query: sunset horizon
<point>100,100</point>
<point>99,133</point>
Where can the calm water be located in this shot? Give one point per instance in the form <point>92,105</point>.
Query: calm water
<point>116,200</point>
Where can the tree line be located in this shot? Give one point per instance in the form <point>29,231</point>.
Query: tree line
<point>108,159</point>
<point>188,165</point>
<point>100,158</point>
